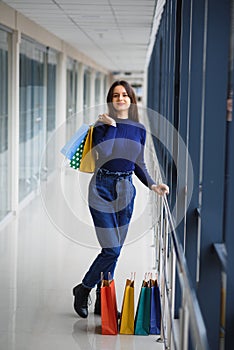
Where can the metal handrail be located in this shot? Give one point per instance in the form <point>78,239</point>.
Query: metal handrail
<point>169,257</point>
<point>191,317</point>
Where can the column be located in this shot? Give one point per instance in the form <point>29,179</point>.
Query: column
<point>14,120</point>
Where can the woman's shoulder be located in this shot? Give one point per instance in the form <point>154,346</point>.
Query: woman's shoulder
<point>140,125</point>
<point>137,124</point>
<point>139,129</point>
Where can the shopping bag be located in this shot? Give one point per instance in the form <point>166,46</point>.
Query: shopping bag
<point>155,308</point>
<point>142,318</point>
<point>87,163</point>
<point>76,141</point>
<point>79,150</point>
<point>108,308</point>
<point>127,312</point>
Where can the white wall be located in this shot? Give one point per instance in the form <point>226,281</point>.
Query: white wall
<point>19,25</point>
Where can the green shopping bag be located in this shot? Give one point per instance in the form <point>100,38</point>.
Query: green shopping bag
<point>142,318</point>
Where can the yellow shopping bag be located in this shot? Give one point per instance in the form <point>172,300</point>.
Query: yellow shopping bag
<point>127,313</point>
<point>87,164</point>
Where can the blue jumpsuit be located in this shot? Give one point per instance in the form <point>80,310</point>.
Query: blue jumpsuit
<point>120,152</point>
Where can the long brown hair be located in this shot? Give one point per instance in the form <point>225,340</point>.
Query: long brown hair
<point>133,110</point>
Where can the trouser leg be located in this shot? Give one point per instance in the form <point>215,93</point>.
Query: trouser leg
<point>104,263</point>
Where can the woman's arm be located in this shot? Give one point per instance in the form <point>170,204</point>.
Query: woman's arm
<point>143,174</point>
<point>104,138</point>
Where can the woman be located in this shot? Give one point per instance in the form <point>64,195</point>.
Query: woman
<point>118,140</point>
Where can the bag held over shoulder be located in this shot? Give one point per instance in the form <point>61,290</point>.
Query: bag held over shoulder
<point>79,149</point>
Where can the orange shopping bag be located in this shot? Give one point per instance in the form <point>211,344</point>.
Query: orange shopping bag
<point>109,308</point>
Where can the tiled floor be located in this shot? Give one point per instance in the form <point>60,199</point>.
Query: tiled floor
<point>39,266</point>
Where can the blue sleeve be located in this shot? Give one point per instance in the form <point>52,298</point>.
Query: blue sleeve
<point>102,133</point>
<point>140,166</point>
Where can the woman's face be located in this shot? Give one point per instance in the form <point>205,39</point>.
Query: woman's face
<point>120,99</point>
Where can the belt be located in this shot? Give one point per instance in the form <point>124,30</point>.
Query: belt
<point>114,173</point>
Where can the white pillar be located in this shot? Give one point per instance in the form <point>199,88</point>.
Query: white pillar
<point>14,120</point>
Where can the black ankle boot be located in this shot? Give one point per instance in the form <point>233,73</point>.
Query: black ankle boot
<point>97,306</point>
<point>81,295</point>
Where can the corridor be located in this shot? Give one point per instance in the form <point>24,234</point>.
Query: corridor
<point>58,59</point>
<point>39,266</point>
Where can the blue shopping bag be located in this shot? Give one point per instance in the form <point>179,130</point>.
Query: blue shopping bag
<point>70,148</point>
<point>155,314</point>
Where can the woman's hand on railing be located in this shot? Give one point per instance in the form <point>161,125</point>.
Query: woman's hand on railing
<point>160,189</point>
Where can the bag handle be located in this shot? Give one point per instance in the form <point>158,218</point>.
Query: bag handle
<point>106,283</point>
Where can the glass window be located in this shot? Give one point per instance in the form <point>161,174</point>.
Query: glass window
<point>4,147</point>
<point>87,82</point>
<point>72,88</point>
<point>52,64</point>
<point>105,87</point>
<point>32,135</point>
<point>72,82</point>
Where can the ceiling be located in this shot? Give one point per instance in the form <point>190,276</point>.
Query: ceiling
<point>114,33</point>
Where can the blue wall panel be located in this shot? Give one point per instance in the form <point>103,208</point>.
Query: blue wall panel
<point>188,76</point>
